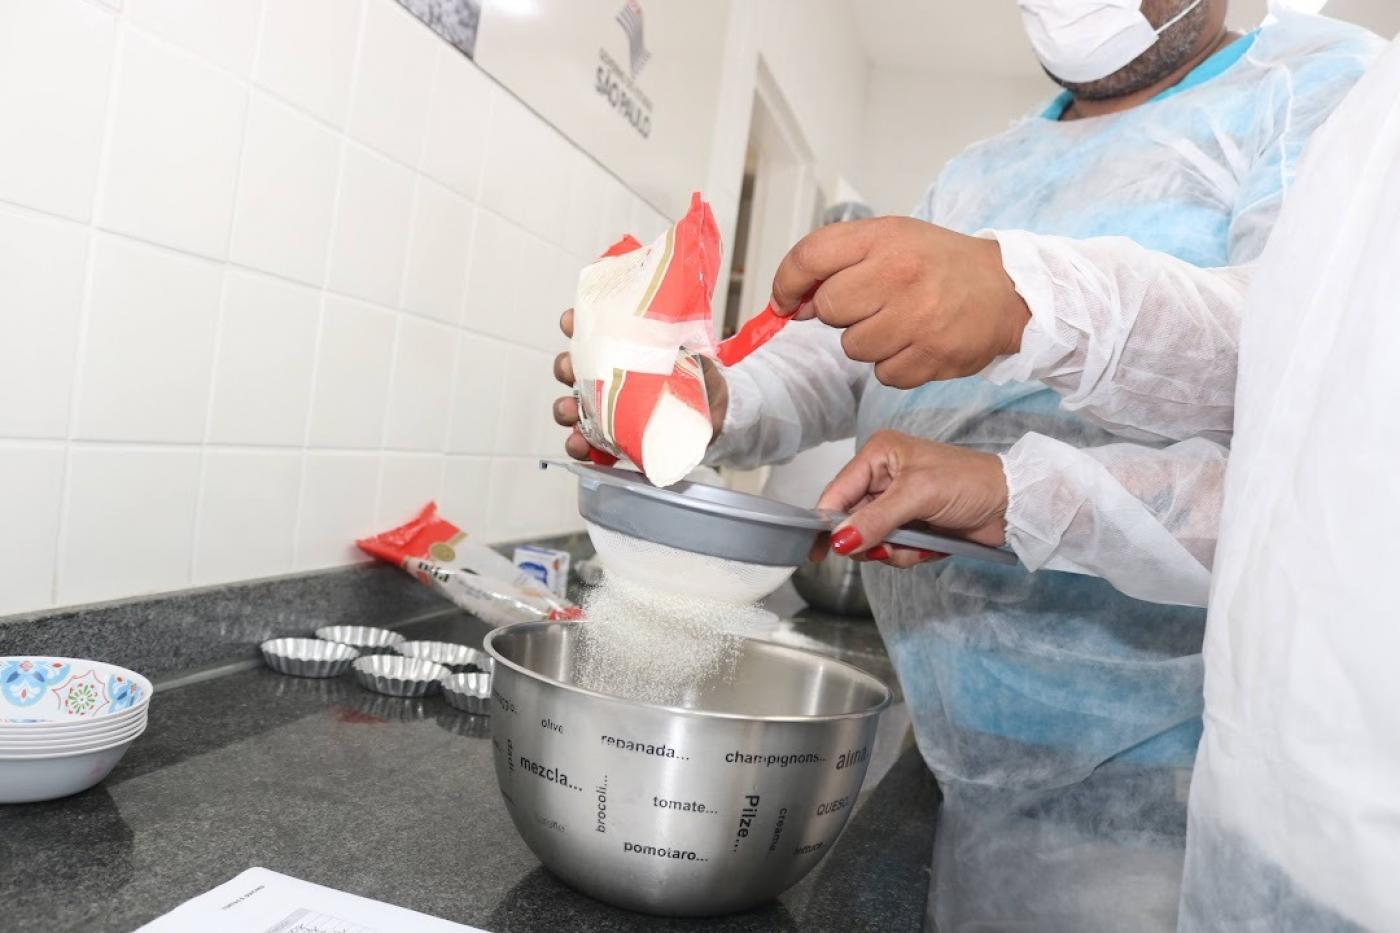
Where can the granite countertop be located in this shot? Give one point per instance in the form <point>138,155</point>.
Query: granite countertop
<point>396,800</point>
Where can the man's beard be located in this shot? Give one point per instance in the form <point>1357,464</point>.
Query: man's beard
<point>1173,49</point>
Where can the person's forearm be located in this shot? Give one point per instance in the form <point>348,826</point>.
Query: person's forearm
<point>797,391</point>
<point>1138,341</point>
<point>1145,519</point>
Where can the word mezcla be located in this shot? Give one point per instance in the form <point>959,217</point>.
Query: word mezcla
<point>553,775</point>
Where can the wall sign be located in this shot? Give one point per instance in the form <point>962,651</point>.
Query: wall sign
<point>633,82</point>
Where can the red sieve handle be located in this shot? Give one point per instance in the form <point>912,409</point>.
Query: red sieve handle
<point>757,331</point>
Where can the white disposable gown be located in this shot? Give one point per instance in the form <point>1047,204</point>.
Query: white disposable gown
<point>1294,819</point>
<point>1060,715</point>
<point>1295,808</point>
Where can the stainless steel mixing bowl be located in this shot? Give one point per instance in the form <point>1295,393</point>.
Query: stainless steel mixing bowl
<point>832,585</point>
<point>699,811</point>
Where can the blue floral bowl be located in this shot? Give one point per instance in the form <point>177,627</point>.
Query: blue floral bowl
<point>67,691</point>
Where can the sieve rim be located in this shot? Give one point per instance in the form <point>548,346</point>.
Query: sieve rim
<point>886,695</point>
<point>798,517</point>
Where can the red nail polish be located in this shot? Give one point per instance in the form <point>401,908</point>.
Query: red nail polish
<point>845,540</point>
<point>931,555</point>
<point>878,552</point>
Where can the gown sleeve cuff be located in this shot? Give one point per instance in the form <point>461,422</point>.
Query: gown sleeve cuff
<point>740,418</point>
<point>1042,348</point>
<point>1040,504</point>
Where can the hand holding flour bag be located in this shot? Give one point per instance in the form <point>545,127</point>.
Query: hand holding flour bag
<point>641,323</point>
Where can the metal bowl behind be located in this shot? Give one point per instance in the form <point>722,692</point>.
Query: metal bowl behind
<point>833,585</point>
<point>682,812</point>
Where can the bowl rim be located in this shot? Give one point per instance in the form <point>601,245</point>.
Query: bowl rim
<point>36,732</point>
<point>75,753</point>
<point>364,662</point>
<point>394,638</point>
<point>448,681</point>
<point>455,648</point>
<point>77,746</point>
<point>148,690</point>
<point>275,646</point>
<point>859,674</point>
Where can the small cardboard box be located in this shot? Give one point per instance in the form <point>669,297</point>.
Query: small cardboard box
<point>549,567</point>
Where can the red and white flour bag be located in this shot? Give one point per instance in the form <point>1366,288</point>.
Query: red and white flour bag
<point>469,573</point>
<point>641,322</point>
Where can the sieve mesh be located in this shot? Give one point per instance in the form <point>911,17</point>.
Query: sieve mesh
<point>666,569</point>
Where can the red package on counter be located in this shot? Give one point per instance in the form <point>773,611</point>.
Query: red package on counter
<point>467,572</point>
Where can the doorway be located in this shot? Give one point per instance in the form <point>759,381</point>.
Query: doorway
<point>779,202</point>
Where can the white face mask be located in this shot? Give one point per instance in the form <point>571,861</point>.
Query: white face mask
<point>1085,40</point>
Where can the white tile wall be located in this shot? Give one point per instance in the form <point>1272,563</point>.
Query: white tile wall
<point>390,108</point>
<point>42,266</point>
<point>172,158</point>
<point>225,31</point>
<point>128,524</point>
<point>481,371</point>
<point>371,230</point>
<point>338,504</point>
<point>353,370</point>
<point>273,274</point>
<point>31,494</point>
<point>405,483</point>
<point>143,373</point>
<point>420,399</point>
<point>53,92</point>
<point>435,279</point>
<point>247,514</point>
<point>286,192</point>
<point>306,54</point>
<point>458,109</point>
<point>522,179</point>
<point>266,356</point>
<point>466,495</point>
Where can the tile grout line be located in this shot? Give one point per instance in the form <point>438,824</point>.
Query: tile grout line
<point>302,487</point>
<point>109,119</point>
<point>221,315</point>
<point>420,177</point>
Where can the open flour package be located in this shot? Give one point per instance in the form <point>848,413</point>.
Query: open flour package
<point>471,574</point>
<point>641,322</point>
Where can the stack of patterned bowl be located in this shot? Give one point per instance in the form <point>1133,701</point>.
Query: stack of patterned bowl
<point>64,724</point>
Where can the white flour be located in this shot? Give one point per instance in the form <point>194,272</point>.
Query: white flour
<point>674,441</point>
<point>658,647</point>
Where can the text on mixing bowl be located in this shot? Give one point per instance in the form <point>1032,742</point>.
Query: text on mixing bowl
<point>768,761</point>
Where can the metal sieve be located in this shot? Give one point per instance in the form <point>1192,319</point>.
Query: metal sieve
<point>722,523</point>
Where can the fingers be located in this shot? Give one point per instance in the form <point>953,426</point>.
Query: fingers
<point>902,502</point>
<point>866,476</point>
<point>854,294</point>
<point>564,368</point>
<point>906,557</point>
<point>873,341</point>
<point>817,256</point>
<point>576,446</point>
<point>898,557</point>
<point>856,482</point>
<point>566,323</point>
<point>566,411</point>
<point>910,368</point>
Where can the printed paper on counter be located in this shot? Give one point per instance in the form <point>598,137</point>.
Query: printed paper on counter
<point>262,901</point>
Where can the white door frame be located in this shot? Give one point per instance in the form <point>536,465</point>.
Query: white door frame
<point>785,190</point>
